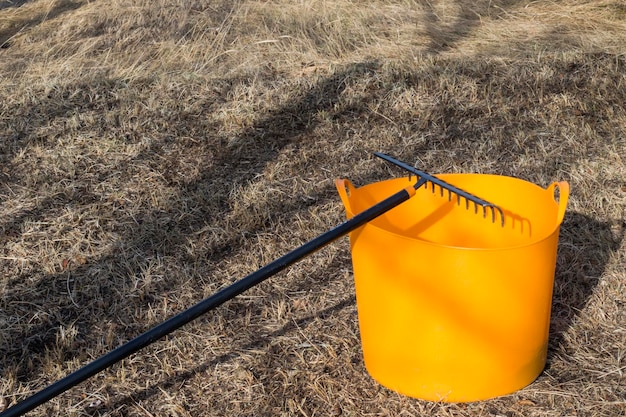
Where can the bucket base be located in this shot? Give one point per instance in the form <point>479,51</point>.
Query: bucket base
<point>457,389</point>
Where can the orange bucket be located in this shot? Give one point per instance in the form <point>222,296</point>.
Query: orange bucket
<point>452,306</point>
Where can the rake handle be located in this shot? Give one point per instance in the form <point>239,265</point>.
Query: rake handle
<point>207,304</point>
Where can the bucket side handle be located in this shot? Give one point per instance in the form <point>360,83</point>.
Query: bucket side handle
<point>563,187</point>
<point>345,190</point>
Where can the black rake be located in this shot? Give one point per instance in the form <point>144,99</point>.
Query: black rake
<point>260,275</point>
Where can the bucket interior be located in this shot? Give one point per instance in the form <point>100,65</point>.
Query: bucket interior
<point>530,212</point>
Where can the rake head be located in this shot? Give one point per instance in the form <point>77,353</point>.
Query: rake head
<point>452,191</point>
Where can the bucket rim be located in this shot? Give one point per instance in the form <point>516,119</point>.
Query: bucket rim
<point>550,235</point>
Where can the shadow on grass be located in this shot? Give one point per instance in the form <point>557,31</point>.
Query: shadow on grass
<point>49,297</point>
<point>585,248</point>
<point>20,23</point>
<point>6,4</point>
<point>467,17</point>
<point>157,232</point>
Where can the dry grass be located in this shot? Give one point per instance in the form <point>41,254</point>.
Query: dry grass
<point>155,151</point>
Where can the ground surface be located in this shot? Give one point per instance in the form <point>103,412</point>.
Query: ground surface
<point>152,152</point>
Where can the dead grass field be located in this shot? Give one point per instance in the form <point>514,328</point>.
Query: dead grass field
<point>152,152</point>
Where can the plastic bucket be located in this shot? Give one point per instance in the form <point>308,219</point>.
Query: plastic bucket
<point>452,306</point>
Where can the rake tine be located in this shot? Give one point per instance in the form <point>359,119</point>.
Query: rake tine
<point>451,189</point>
